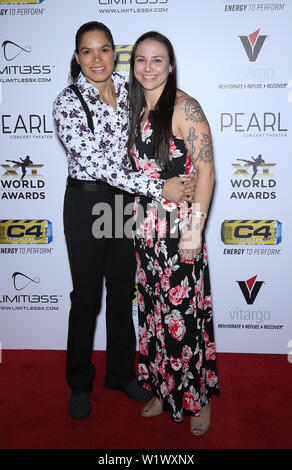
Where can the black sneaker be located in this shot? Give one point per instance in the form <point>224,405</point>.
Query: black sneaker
<point>79,405</point>
<point>131,388</point>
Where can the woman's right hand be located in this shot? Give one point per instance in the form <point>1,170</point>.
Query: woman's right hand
<point>180,189</point>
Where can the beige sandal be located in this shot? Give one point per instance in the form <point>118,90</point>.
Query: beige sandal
<point>152,408</point>
<point>201,424</point>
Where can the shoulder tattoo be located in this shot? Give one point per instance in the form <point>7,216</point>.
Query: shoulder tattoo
<point>193,111</point>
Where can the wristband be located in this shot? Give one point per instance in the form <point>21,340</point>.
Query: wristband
<point>201,215</point>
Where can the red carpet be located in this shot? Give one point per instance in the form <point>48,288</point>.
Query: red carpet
<point>253,410</point>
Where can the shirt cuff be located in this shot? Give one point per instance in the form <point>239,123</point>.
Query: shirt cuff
<point>155,188</point>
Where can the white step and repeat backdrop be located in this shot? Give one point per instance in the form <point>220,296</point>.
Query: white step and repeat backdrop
<point>235,58</point>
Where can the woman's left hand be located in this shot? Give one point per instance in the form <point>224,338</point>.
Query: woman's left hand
<point>190,244</point>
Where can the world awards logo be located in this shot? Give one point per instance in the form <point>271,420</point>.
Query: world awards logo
<point>12,69</point>
<point>21,179</point>
<point>253,44</point>
<point>253,179</point>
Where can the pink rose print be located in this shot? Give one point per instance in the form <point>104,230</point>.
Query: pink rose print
<point>143,371</point>
<point>136,159</point>
<point>177,294</point>
<point>170,383</point>
<point>186,353</point>
<point>175,363</point>
<point>189,167</point>
<point>157,289</point>
<point>202,382</point>
<point>146,131</point>
<point>167,271</point>
<point>211,378</point>
<point>189,402</point>
<point>149,170</point>
<point>210,351</point>
<point>143,341</point>
<point>168,205</point>
<point>183,211</point>
<point>183,361</point>
<point>153,367</point>
<point>151,323</point>
<point>165,284</point>
<point>141,302</point>
<point>172,147</point>
<point>161,227</point>
<point>138,259</point>
<point>200,360</point>
<point>176,326</point>
<point>160,334</point>
<point>141,276</point>
<point>161,368</point>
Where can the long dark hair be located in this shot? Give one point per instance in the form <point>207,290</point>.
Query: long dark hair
<point>164,107</point>
<point>90,26</point>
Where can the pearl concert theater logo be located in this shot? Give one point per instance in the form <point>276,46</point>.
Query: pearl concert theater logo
<point>252,124</point>
<point>26,126</point>
<point>21,179</point>
<point>252,44</point>
<point>250,289</point>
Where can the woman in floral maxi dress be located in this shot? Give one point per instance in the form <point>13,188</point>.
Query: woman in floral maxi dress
<point>176,340</point>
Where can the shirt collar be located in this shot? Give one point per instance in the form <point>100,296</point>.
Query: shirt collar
<point>84,84</point>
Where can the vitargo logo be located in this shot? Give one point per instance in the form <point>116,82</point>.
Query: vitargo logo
<point>250,289</point>
<point>252,44</point>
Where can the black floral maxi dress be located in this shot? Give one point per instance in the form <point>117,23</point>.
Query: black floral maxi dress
<point>176,340</point>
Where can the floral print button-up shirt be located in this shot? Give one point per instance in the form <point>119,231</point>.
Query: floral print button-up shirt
<point>102,155</point>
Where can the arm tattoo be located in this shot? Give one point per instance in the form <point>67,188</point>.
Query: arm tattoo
<point>205,154</point>
<point>193,111</point>
<point>191,140</point>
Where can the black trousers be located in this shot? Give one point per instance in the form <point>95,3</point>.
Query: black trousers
<point>91,261</point>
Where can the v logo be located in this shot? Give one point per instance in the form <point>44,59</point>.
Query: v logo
<point>250,289</point>
<point>253,44</point>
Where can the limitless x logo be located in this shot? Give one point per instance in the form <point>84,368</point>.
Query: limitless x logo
<point>253,44</point>
<point>12,50</point>
<point>20,281</point>
<point>250,289</point>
